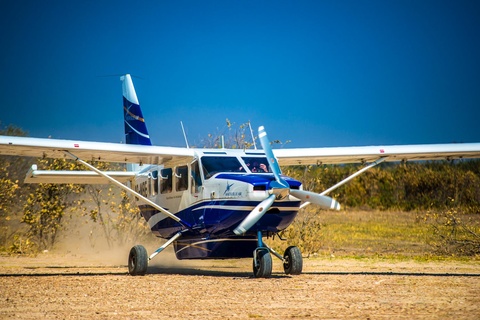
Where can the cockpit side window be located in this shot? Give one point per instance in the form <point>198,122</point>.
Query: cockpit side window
<point>212,165</point>
<point>257,164</point>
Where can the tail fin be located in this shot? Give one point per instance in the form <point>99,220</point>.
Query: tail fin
<point>135,128</point>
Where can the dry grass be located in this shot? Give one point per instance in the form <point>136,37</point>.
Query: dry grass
<point>388,234</point>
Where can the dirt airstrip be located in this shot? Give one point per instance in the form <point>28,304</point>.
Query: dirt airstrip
<point>67,286</point>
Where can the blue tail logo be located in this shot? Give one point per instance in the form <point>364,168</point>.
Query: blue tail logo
<point>135,128</point>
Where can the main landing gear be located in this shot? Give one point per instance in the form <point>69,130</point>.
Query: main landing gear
<point>262,260</point>
<point>138,261</point>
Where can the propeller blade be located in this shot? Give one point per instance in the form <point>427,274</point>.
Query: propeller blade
<point>323,201</point>
<point>272,161</point>
<point>254,215</point>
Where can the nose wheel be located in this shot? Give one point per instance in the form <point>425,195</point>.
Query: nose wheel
<point>262,263</point>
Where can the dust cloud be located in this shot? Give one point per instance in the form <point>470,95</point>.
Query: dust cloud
<point>82,237</point>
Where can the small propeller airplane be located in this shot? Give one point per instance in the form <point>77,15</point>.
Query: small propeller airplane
<point>212,203</point>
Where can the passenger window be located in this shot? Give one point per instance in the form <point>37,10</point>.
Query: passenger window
<point>154,182</point>
<point>166,180</point>
<point>181,178</point>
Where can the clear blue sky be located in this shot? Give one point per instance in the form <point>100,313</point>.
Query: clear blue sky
<point>318,73</point>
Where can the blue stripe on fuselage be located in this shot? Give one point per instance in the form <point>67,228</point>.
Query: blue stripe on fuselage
<point>220,217</point>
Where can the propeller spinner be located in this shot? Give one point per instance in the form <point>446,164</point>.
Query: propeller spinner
<point>279,190</point>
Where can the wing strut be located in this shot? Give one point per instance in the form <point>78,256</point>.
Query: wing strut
<point>130,190</point>
<point>341,183</point>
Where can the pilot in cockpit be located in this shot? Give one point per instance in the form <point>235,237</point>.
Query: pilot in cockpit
<point>258,167</point>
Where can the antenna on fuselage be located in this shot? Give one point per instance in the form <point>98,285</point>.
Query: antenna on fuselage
<point>251,133</point>
<point>184,134</point>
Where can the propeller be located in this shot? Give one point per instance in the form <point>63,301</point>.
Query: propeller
<point>272,161</point>
<point>323,201</point>
<point>254,215</point>
<point>279,190</point>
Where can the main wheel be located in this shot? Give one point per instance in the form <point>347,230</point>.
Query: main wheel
<point>262,265</point>
<point>138,261</point>
<point>293,261</point>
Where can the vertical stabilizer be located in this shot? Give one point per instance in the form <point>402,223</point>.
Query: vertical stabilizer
<point>135,128</point>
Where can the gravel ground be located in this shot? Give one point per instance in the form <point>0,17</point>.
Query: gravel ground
<point>63,286</point>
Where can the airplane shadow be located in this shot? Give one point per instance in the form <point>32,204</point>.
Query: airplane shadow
<point>122,271</point>
<point>61,274</point>
<point>213,272</point>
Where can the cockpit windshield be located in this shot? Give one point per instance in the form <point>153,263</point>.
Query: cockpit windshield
<point>256,164</point>
<point>212,165</point>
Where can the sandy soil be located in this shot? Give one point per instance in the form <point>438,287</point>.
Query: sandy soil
<point>70,286</point>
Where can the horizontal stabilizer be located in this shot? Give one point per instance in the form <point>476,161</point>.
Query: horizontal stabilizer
<point>78,177</point>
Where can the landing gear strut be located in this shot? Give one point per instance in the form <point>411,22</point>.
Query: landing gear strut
<point>138,257</point>
<point>262,260</point>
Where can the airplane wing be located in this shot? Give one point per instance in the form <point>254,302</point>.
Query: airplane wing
<point>98,151</point>
<point>338,155</point>
<point>128,153</point>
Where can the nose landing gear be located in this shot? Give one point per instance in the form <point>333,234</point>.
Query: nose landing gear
<point>262,259</point>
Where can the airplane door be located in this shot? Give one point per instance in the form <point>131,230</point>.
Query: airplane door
<point>196,178</point>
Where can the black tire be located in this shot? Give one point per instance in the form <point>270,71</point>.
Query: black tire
<point>138,261</point>
<point>293,261</point>
<point>263,268</point>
